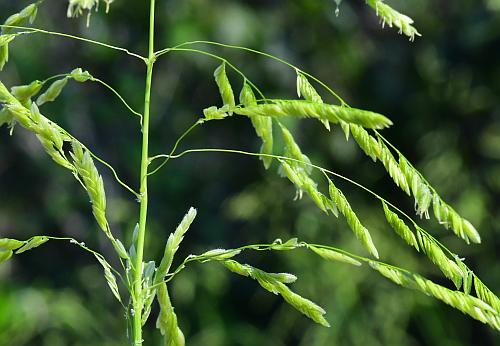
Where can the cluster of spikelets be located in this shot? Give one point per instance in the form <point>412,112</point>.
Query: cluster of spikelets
<point>18,108</point>
<point>77,7</point>
<point>472,306</point>
<point>484,307</point>
<point>296,166</point>
<point>412,183</point>
<point>391,17</point>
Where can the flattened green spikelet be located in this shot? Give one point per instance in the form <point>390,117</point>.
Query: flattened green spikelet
<point>449,268</point>
<point>400,227</point>
<point>276,283</point>
<point>167,319</point>
<point>306,90</point>
<point>263,125</point>
<point>52,92</point>
<point>321,111</point>
<point>93,183</point>
<point>345,209</point>
<point>469,305</point>
<point>410,181</point>
<point>225,89</point>
<point>335,256</point>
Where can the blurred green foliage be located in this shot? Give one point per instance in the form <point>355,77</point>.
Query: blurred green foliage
<point>441,92</point>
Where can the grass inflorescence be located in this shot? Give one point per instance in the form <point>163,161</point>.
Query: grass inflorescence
<point>145,281</point>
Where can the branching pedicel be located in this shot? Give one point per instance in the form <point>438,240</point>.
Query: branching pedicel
<point>145,281</point>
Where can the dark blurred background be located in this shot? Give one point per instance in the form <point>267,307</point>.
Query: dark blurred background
<point>441,91</point>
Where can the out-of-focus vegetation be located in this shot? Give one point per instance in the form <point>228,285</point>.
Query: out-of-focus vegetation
<point>441,92</point>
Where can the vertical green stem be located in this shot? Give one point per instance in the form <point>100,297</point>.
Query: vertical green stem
<point>138,299</point>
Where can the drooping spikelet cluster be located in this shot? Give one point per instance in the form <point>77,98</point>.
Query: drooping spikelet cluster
<point>19,109</point>
<point>410,180</point>
<point>276,283</point>
<point>472,306</point>
<point>391,17</point>
<point>77,7</point>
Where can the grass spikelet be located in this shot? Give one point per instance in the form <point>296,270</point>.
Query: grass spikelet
<point>225,89</point>
<point>47,132</point>
<point>376,149</point>
<point>422,194</point>
<point>219,254</point>
<point>77,7</point>
<point>358,229</point>
<point>305,306</point>
<point>53,91</point>
<point>334,256</point>
<point>214,113</point>
<point>4,49</point>
<point>247,96</point>
<point>5,255</point>
<point>167,319</point>
<point>25,92</point>
<point>321,111</point>
<point>290,244</point>
<point>33,243</point>
<point>450,219</point>
<point>276,283</point>
<point>307,91</point>
<point>400,227</point>
<point>263,125</point>
<point>410,181</point>
<point>20,115</point>
<point>299,173</point>
<point>54,154</point>
<point>445,214</point>
<point>367,143</point>
<point>392,167</point>
<point>449,268</point>
<point>7,247</point>
<point>10,244</point>
<point>293,151</point>
<point>486,295</point>
<point>93,183</point>
<point>303,182</point>
<point>120,249</point>
<point>80,76</point>
<point>109,276</point>
<point>292,175</point>
<point>26,15</point>
<point>237,268</point>
<point>173,242</point>
<point>346,128</point>
<point>148,291</point>
<point>391,17</point>
<point>469,305</point>
<point>5,95</point>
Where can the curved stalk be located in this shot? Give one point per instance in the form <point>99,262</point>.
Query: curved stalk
<point>321,169</point>
<point>258,52</point>
<point>79,38</point>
